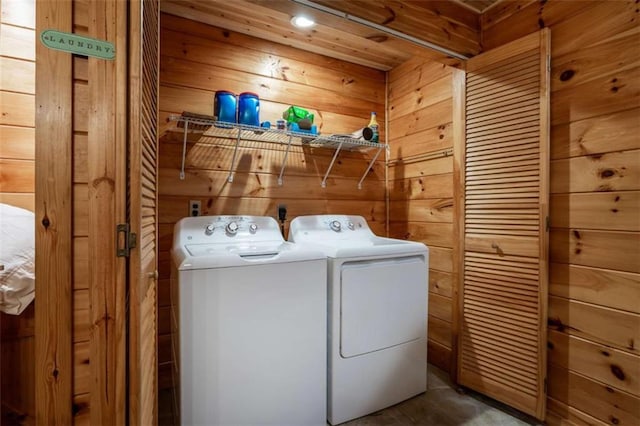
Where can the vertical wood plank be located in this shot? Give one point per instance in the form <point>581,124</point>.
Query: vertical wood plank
<point>53,220</point>
<point>458,215</point>
<point>544,146</point>
<point>107,186</point>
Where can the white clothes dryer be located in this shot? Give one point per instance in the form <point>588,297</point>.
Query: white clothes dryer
<point>377,314</point>
<point>249,315</point>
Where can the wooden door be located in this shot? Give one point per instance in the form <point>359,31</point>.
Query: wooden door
<point>143,213</point>
<point>503,249</point>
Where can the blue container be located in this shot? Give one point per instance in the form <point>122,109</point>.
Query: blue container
<point>249,109</point>
<point>224,106</point>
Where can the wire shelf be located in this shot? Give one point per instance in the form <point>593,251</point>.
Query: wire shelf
<point>209,127</point>
<point>219,129</point>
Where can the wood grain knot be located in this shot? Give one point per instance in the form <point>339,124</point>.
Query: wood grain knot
<point>106,180</point>
<point>614,420</point>
<point>617,371</point>
<point>45,222</point>
<point>607,173</point>
<point>392,16</point>
<point>78,408</point>
<point>567,75</point>
<point>378,38</point>
<point>556,324</point>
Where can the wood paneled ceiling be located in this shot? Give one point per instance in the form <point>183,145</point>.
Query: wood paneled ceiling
<point>478,5</point>
<point>446,23</point>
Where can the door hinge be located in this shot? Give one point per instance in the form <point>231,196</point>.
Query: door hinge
<point>127,242</point>
<point>548,223</point>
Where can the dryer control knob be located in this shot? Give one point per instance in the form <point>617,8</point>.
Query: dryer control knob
<point>335,225</point>
<point>209,229</point>
<point>253,228</point>
<point>351,225</point>
<point>232,228</point>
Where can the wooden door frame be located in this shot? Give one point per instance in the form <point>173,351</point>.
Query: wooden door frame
<point>107,175</point>
<point>54,258</point>
<point>53,194</point>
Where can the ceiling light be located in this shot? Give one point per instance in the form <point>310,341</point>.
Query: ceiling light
<point>302,21</point>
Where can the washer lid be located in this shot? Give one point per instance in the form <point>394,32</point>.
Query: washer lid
<point>208,256</point>
<point>242,249</point>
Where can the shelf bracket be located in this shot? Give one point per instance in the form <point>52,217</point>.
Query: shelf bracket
<point>284,160</point>
<point>233,159</point>
<point>184,148</point>
<point>333,160</point>
<point>373,160</point>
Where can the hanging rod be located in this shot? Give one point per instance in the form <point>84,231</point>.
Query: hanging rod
<point>432,155</point>
<point>381,28</point>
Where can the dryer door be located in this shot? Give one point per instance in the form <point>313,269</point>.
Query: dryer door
<point>383,304</point>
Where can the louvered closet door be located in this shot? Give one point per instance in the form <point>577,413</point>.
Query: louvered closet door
<point>143,212</point>
<point>502,343</point>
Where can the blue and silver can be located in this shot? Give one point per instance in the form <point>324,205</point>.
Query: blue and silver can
<point>224,106</point>
<point>249,109</point>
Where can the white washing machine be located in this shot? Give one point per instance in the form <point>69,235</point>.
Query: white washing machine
<point>249,313</point>
<point>377,330</point>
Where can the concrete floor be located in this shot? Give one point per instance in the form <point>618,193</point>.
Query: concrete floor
<point>441,405</point>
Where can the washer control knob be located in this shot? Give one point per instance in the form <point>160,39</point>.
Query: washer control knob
<point>351,225</point>
<point>253,228</point>
<point>209,229</point>
<point>335,225</point>
<point>232,228</point>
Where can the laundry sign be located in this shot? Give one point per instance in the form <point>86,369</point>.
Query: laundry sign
<point>79,45</point>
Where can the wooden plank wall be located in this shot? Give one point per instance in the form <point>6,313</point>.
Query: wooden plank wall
<point>196,60</point>
<point>17,95</point>
<point>17,187</point>
<point>421,183</point>
<point>594,303</point>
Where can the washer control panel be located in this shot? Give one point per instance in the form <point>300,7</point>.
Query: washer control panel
<point>329,227</point>
<point>344,224</point>
<point>221,229</point>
